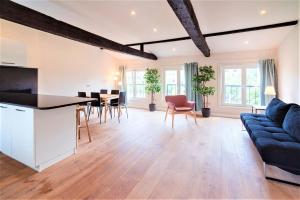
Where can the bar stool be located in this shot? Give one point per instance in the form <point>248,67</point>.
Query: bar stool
<point>78,125</point>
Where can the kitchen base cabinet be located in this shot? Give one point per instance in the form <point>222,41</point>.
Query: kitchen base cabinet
<point>37,138</point>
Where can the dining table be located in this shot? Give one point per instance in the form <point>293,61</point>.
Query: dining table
<point>106,98</point>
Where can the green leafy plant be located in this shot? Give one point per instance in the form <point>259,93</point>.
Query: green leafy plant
<point>205,74</point>
<point>152,82</point>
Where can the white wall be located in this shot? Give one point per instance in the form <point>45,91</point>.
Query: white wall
<point>215,60</point>
<point>64,66</point>
<point>288,68</point>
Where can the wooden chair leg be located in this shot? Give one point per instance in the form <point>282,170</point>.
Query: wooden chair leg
<point>126,111</point>
<point>119,113</point>
<point>77,129</point>
<point>166,114</point>
<point>173,119</point>
<point>87,126</point>
<point>79,124</point>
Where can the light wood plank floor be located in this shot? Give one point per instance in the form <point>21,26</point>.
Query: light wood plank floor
<point>143,157</point>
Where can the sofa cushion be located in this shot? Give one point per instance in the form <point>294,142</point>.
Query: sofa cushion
<point>291,123</point>
<point>276,110</point>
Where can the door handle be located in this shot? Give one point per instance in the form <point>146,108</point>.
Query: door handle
<point>3,107</point>
<point>8,63</point>
<point>20,110</point>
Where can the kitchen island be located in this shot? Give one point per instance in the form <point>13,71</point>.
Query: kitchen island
<point>38,130</point>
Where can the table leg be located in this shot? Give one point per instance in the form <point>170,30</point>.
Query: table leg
<point>105,109</point>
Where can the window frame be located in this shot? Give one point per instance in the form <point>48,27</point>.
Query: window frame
<point>178,85</point>
<point>243,68</point>
<point>134,84</point>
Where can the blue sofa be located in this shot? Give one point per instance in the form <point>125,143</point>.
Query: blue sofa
<point>276,134</point>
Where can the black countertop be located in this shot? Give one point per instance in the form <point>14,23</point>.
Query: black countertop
<point>39,101</point>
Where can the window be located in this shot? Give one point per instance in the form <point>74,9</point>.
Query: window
<point>174,82</point>
<point>240,85</point>
<point>135,84</point>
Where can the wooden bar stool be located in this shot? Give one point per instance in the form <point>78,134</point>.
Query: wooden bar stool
<point>78,125</point>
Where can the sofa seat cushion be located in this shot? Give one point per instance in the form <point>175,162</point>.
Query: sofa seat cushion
<point>285,155</point>
<point>271,129</point>
<point>279,136</point>
<point>256,117</point>
<point>276,110</point>
<point>291,123</point>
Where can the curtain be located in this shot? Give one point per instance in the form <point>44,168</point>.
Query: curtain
<point>122,71</point>
<point>268,77</point>
<point>191,69</point>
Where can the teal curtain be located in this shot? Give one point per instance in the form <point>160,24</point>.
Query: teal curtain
<point>122,72</point>
<point>191,69</point>
<point>268,77</point>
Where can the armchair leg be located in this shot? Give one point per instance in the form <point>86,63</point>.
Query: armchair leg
<point>166,114</point>
<point>195,116</point>
<point>185,116</point>
<point>173,119</point>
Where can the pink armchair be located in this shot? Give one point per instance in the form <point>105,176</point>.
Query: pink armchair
<point>179,104</point>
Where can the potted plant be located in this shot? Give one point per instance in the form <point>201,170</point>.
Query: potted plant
<point>205,74</point>
<point>152,85</point>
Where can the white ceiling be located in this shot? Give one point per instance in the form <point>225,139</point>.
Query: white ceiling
<point>112,19</point>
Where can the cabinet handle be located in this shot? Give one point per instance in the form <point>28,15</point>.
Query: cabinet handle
<point>3,107</point>
<point>20,110</point>
<point>8,63</point>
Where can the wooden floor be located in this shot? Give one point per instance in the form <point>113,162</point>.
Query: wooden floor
<point>143,157</point>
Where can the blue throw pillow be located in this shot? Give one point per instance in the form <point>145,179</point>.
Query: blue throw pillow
<point>277,110</point>
<point>291,123</point>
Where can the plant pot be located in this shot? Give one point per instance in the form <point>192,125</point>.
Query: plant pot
<point>152,107</point>
<point>206,112</point>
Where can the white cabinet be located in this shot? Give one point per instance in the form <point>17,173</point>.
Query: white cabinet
<point>12,53</point>
<point>5,112</point>
<point>22,135</point>
<point>17,134</point>
<point>37,138</point>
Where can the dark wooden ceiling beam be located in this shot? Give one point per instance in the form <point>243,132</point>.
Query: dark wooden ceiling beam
<point>256,28</point>
<point>186,15</point>
<point>17,13</point>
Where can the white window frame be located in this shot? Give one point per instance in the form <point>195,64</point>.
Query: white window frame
<point>243,68</point>
<point>134,84</point>
<point>177,69</point>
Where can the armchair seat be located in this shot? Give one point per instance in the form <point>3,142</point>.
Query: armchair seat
<point>183,109</point>
<point>179,104</point>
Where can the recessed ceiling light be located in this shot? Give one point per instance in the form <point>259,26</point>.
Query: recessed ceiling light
<point>173,49</point>
<point>263,12</point>
<point>132,13</point>
<point>246,42</point>
<point>154,29</point>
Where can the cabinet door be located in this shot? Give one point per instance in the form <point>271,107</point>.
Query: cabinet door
<point>5,128</point>
<point>23,136</point>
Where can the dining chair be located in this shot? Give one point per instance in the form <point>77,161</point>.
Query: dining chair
<point>80,109</point>
<point>178,104</point>
<point>121,104</point>
<point>114,101</point>
<point>95,104</point>
<point>103,91</point>
<point>82,94</point>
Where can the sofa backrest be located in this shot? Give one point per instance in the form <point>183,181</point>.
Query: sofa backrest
<point>276,110</point>
<point>291,123</point>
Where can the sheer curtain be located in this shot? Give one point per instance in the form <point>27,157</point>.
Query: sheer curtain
<point>268,77</point>
<point>190,70</point>
<point>122,71</point>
